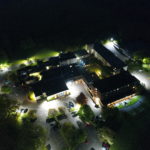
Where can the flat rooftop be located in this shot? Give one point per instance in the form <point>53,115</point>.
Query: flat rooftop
<point>114,82</point>
<point>81,53</point>
<point>117,95</point>
<point>66,56</point>
<point>109,56</point>
<point>53,80</point>
<point>49,87</point>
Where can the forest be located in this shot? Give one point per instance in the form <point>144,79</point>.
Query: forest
<point>29,26</point>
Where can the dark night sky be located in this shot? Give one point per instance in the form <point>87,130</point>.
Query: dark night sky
<point>59,23</point>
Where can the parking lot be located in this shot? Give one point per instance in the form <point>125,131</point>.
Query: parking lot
<point>65,103</point>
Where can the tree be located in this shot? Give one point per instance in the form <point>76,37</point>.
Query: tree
<point>81,99</point>
<point>33,137</point>
<point>112,117</point>
<point>146,60</point>
<point>16,136</point>
<point>6,89</point>
<point>86,114</point>
<point>72,136</point>
<point>106,135</point>
<point>8,107</point>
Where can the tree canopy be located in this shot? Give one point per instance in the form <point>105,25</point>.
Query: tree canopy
<point>86,114</point>
<point>16,136</point>
<point>81,99</point>
<point>72,136</point>
<point>106,135</point>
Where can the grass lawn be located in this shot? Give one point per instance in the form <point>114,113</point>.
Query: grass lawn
<point>32,60</point>
<point>146,66</point>
<point>45,54</point>
<point>131,102</point>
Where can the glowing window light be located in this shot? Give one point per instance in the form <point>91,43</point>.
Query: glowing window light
<point>36,74</point>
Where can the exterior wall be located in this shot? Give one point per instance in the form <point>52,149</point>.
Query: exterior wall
<point>57,95</point>
<point>120,100</point>
<point>98,56</point>
<point>97,96</point>
<point>69,61</point>
<point>90,49</point>
<point>81,57</point>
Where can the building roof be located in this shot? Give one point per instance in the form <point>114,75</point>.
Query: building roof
<point>53,61</point>
<point>114,82</point>
<point>66,56</point>
<point>117,95</point>
<point>81,53</point>
<point>29,69</point>
<point>53,80</point>
<point>109,56</point>
<point>66,71</point>
<point>49,87</point>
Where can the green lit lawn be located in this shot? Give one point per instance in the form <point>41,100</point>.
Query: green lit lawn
<point>41,55</point>
<point>45,54</point>
<point>131,102</point>
<point>146,66</point>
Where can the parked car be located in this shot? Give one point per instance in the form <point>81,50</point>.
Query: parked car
<point>22,110</point>
<point>71,104</point>
<point>48,147</point>
<point>67,105</point>
<point>55,127</point>
<point>74,112</point>
<point>61,117</point>
<point>49,120</point>
<point>52,125</point>
<point>80,124</point>
<point>75,115</point>
<point>25,110</point>
<point>33,120</point>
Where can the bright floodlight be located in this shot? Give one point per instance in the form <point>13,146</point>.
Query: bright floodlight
<point>5,69</point>
<point>142,78</point>
<point>111,39</point>
<point>110,44</point>
<point>77,107</point>
<point>69,83</point>
<point>50,105</point>
<point>73,88</point>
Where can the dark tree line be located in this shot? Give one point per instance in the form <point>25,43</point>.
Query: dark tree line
<point>28,26</point>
